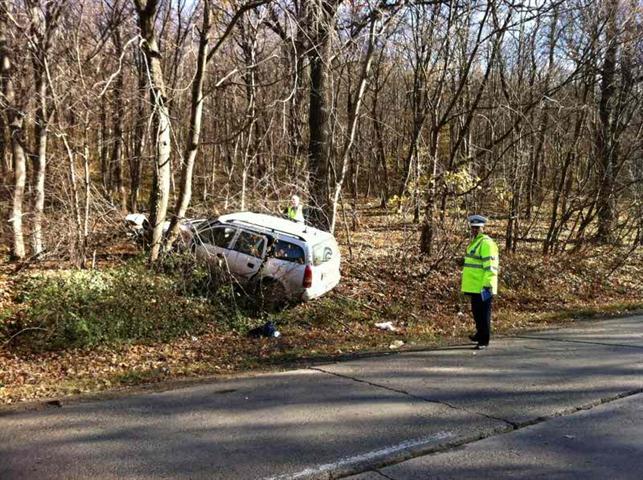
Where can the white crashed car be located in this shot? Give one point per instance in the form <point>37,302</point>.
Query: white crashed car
<point>287,260</point>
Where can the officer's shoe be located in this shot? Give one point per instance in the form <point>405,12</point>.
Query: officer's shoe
<point>481,347</point>
<point>473,338</point>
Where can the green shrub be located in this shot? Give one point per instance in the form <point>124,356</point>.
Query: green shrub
<point>198,280</point>
<point>127,304</point>
<point>133,304</point>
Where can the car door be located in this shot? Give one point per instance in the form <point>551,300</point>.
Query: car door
<point>286,264</point>
<point>246,257</point>
<point>212,244</point>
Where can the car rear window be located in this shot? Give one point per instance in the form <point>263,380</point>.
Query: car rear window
<point>323,252</point>
<point>250,244</point>
<point>219,236</point>
<point>289,252</point>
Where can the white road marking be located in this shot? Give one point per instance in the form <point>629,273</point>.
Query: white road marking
<point>343,462</point>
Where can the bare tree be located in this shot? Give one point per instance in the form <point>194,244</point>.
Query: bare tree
<point>319,27</point>
<point>118,113</point>
<point>135,160</point>
<point>194,132</point>
<point>44,25</point>
<point>529,112</point>
<point>15,116</point>
<point>376,28</point>
<point>606,140</point>
<point>160,193</point>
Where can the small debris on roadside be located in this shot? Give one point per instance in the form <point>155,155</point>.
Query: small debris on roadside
<point>386,326</point>
<point>268,330</point>
<point>396,344</point>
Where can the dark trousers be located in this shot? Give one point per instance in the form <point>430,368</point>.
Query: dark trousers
<point>482,315</point>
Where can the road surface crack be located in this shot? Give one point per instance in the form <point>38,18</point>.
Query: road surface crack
<point>416,397</point>
<point>383,475</point>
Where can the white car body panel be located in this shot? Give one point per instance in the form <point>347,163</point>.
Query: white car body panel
<point>326,276</point>
<point>291,275</point>
<point>243,266</point>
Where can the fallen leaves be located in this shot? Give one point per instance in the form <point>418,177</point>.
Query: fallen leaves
<point>379,287</point>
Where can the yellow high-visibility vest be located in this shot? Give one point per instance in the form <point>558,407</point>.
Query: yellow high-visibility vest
<point>296,213</point>
<point>481,265</point>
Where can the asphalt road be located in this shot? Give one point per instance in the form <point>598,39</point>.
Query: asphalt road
<point>605,442</point>
<point>359,416</point>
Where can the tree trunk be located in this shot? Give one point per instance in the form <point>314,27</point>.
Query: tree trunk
<point>44,24</point>
<point>136,161</point>
<point>381,156</point>
<point>196,112</point>
<point>15,120</point>
<point>39,59</point>
<point>79,254</point>
<point>40,164</point>
<point>20,177</point>
<point>428,227</point>
<point>353,118</point>
<point>606,147</point>
<point>295,141</point>
<point>104,134</point>
<point>116,184</point>
<point>4,167</point>
<point>159,195</point>
<point>418,124</point>
<point>320,17</point>
<point>533,185</point>
<point>249,43</point>
<point>87,195</point>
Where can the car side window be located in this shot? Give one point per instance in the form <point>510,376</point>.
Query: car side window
<point>250,244</point>
<point>289,252</point>
<point>219,236</point>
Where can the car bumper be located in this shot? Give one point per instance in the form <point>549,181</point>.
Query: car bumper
<point>313,293</point>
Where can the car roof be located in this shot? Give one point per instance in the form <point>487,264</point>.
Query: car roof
<point>273,224</point>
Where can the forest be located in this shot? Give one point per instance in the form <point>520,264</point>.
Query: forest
<point>392,119</point>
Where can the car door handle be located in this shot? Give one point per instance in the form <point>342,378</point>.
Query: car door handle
<point>251,265</point>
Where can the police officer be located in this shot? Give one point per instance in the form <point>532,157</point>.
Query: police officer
<point>480,278</point>
<point>296,210</point>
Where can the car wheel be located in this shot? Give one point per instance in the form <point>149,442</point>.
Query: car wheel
<point>272,296</point>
